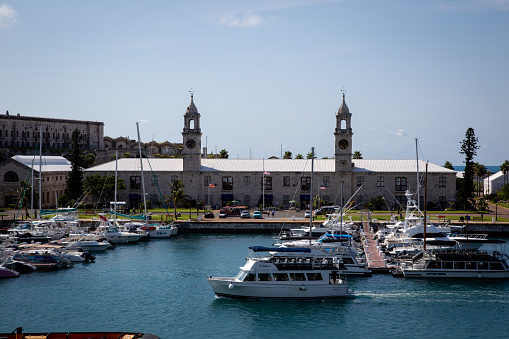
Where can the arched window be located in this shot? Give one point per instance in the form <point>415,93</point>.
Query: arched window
<point>191,124</point>
<point>343,124</point>
<point>11,177</point>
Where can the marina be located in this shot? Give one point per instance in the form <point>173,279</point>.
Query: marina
<point>160,287</point>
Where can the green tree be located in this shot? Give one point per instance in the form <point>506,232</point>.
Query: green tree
<point>223,154</point>
<point>103,187</point>
<point>309,155</point>
<point>177,194</point>
<point>448,165</point>
<point>288,155</point>
<point>505,169</point>
<point>469,148</point>
<point>377,203</point>
<point>26,196</point>
<point>480,171</point>
<point>357,155</point>
<point>126,155</point>
<point>299,156</point>
<point>74,183</point>
<point>89,160</point>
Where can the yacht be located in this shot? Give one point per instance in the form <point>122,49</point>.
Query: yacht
<point>289,273</point>
<point>457,264</point>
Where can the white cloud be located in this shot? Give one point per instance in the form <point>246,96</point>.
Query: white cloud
<point>399,133</point>
<point>251,20</point>
<point>7,16</point>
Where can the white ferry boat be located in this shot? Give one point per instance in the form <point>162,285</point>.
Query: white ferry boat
<point>457,264</point>
<point>284,277</point>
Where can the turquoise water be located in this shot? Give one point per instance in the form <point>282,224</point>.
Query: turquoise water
<point>160,287</point>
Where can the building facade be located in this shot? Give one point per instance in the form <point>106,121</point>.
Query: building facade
<point>21,134</point>
<point>280,182</point>
<point>18,169</point>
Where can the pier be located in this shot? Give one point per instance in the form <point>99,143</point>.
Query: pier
<point>375,258</point>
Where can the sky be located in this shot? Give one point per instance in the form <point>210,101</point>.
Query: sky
<point>268,75</point>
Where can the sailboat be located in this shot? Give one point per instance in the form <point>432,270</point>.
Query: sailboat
<point>111,231</point>
<point>153,230</point>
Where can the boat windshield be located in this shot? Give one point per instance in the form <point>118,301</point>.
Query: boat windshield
<point>241,276</point>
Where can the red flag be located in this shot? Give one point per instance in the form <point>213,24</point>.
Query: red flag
<point>102,217</point>
<point>212,185</point>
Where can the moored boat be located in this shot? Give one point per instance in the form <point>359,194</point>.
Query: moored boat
<point>280,277</point>
<point>457,264</point>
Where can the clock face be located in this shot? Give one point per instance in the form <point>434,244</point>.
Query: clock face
<point>343,144</point>
<point>190,143</point>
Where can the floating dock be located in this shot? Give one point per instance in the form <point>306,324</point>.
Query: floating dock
<point>375,258</point>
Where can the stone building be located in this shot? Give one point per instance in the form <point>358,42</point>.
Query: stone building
<point>21,134</point>
<point>18,168</point>
<point>276,182</point>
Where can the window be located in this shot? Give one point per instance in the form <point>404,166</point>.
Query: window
<point>401,199</point>
<point>11,177</point>
<point>305,183</point>
<point>135,182</point>
<point>360,181</point>
<point>297,277</point>
<point>153,181</point>
<point>380,182</point>
<point>247,181</point>
<point>286,181</point>
<point>314,276</point>
<point>207,180</point>
<point>227,183</point>
<point>174,178</point>
<point>442,201</point>
<point>401,184</point>
<point>326,181</point>
<point>264,277</point>
<point>266,183</point>
<point>286,200</point>
<point>280,276</point>
<point>247,200</point>
<point>441,182</point>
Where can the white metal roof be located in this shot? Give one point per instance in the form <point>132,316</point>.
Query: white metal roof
<point>268,165</point>
<point>49,163</point>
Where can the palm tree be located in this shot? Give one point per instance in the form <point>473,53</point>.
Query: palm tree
<point>223,154</point>
<point>299,156</point>
<point>288,155</point>
<point>357,155</point>
<point>177,194</point>
<point>505,169</point>
<point>479,171</point>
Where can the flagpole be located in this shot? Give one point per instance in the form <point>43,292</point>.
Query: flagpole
<point>263,185</point>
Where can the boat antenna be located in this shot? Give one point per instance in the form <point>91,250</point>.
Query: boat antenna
<point>311,195</point>
<point>141,167</point>
<point>425,202</point>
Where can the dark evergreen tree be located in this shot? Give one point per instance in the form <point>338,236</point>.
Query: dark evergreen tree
<point>74,183</point>
<point>469,148</point>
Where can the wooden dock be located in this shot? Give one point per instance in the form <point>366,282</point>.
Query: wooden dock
<point>374,256</point>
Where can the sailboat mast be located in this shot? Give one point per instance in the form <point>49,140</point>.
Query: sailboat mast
<point>32,194</point>
<point>418,182</point>
<point>142,179</point>
<point>115,200</point>
<point>425,202</point>
<point>40,171</point>
<point>311,194</point>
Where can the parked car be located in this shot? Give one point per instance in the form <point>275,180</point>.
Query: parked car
<point>222,213</point>
<point>245,214</point>
<point>208,214</point>
<point>307,214</point>
<point>257,215</point>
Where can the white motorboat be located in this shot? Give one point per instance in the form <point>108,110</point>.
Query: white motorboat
<point>332,246</point>
<point>457,264</point>
<point>85,242</point>
<point>297,275</point>
<point>115,236</point>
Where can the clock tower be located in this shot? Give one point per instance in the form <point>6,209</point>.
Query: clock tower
<point>191,152</point>
<point>343,138</point>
